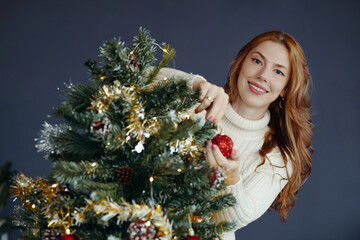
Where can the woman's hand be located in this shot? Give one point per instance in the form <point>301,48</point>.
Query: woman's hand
<point>215,158</point>
<point>213,99</point>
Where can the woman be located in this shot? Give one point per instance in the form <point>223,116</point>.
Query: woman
<point>264,108</point>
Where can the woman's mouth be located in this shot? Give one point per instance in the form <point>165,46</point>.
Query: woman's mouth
<point>257,89</point>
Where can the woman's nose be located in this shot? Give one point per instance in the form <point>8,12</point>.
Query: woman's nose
<point>263,74</point>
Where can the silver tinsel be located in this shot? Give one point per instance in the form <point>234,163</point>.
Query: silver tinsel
<point>45,142</point>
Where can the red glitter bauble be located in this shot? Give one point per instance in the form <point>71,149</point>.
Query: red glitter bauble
<point>194,237</point>
<point>69,237</point>
<point>224,143</point>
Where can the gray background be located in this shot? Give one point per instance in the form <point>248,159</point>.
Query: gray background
<point>44,44</point>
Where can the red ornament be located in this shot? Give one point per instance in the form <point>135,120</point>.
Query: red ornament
<point>193,237</point>
<point>224,143</point>
<point>69,237</point>
<point>140,229</point>
<point>101,127</point>
<point>197,219</point>
<point>216,177</point>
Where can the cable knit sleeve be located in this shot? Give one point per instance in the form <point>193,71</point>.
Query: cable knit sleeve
<point>256,191</point>
<point>171,72</point>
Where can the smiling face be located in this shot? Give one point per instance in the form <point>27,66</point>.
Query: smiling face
<point>263,76</point>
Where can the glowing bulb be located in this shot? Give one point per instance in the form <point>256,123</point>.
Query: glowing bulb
<point>151,179</point>
<point>33,206</point>
<point>179,170</point>
<point>93,164</point>
<point>148,223</point>
<point>54,185</point>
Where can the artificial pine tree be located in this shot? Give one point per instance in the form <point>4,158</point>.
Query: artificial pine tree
<point>127,157</point>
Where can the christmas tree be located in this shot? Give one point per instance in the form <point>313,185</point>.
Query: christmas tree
<point>127,157</point>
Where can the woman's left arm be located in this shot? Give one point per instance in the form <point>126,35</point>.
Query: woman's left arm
<point>255,193</point>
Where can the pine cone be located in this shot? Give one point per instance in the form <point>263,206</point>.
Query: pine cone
<point>125,175</point>
<point>51,234</point>
<point>134,62</point>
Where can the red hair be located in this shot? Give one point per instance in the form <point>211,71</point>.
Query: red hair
<point>290,123</point>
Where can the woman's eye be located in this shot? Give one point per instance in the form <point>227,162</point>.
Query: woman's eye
<point>279,72</point>
<point>257,61</point>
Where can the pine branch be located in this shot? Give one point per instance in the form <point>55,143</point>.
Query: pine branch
<point>170,95</point>
<point>100,190</point>
<point>79,144</point>
<point>80,96</point>
<point>168,55</point>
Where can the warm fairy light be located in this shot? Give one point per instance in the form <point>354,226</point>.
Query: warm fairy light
<point>93,164</point>
<point>75,211</point>
<point>67,231</point>
<point>54,185</point>
<point>102,77</point>
<point>151,179</point>
<point>33,206</point>
<point>179,170</point>
<point>148,223</point>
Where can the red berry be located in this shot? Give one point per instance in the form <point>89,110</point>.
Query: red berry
<point>224,143</point>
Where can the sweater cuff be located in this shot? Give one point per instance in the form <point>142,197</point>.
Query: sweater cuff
<point>237,188</point>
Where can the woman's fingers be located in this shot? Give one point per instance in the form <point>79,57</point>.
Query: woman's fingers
<point>218,108</point>
<point>209,155</point>
<point>207,97</point>
<point>219,158</point>
<point>214,100</point>
<point>234,161</point>
<point>204,88</point>
<point>227,164</point>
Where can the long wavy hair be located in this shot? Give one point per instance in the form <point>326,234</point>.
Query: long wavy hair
<point>290,123</point>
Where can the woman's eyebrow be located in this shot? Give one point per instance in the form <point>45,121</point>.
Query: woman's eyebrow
<point>278,65</point>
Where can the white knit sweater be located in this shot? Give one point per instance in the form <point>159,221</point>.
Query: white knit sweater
<point>258,186</point>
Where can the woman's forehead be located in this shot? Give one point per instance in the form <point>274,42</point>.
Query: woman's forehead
<point>274,52</point>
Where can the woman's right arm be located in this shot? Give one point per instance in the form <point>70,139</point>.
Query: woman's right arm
<point>212,98</point>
